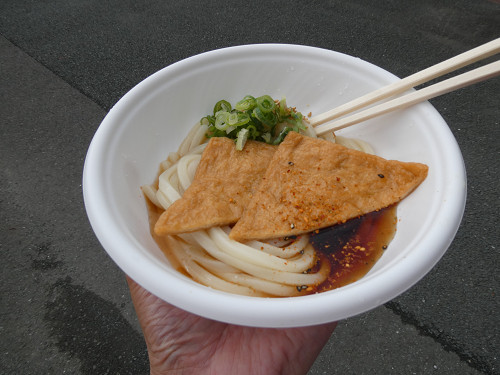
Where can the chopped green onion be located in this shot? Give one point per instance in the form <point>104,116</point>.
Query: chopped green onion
<point>206,121</point>
<point>221,120</point>
<point>282,105</point>
<point>241,139</point>
<point>238,119</point>
<point>245,104</point>
<point>254,133</point>
<point>268,119</point>
<point>222,105</point>
<point>281,136</point>
<point>260,119</point>
<point>267,137</point>
<point>265,103</point>
<point>232,118</point>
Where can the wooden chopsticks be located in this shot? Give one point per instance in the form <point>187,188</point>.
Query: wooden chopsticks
<point>324,123</point>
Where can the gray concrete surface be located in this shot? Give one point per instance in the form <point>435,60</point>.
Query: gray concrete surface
<point>65,306</point>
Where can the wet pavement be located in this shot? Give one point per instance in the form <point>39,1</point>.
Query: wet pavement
<point>64,304</point>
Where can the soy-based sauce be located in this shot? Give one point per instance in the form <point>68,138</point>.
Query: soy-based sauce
<point>352,248</point>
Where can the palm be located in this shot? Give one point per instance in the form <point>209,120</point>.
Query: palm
<point>180,342</point>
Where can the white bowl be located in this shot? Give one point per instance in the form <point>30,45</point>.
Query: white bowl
<point>152,119</point>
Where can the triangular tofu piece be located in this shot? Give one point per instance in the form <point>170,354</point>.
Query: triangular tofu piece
<point>221,188</point>
<point>312,184</point>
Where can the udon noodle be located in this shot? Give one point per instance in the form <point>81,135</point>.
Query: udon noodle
<point>282,267</point>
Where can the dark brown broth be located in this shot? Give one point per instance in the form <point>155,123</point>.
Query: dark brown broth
<point>354,247</point>
<point>351,248</point>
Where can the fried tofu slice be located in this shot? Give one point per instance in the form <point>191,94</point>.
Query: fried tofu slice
<point>312,184</point>
<point>221,188</point>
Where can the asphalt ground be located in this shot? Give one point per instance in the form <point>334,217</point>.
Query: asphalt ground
<point>64,304</point>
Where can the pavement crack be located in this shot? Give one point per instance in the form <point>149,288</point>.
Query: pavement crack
<point>447,342</point>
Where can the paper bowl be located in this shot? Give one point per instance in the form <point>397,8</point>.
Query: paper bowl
<point>152,119</point>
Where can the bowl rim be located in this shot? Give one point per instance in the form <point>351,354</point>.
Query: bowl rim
<point>285,312</point>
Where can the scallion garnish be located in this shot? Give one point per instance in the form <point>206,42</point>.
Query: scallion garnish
<point>222,105</point>
<point>248,102</point>
<point>261,119</point>
<point>241,139</point>
<point>265,103</point>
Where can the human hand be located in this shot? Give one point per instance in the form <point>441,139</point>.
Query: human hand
<point>179,342</point>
